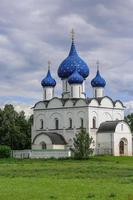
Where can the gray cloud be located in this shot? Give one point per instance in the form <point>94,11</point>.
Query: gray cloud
<point>33,32</point>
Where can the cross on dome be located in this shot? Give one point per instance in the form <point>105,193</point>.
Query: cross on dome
<point>49,64</point>
<point>98,64</point>
<point>98,81</point>
<point>72,34</point>
<point>67,67</point>
<point>48,81</point>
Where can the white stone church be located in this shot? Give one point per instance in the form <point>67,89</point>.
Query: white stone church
<point>58,119</point>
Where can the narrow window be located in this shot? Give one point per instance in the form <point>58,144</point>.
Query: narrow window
<point>122,127</point>
<point>79,91</point>
<point>94,122</point>
<point>95,93</point>
<point>82,122</point>
<point>70,123</point>
<point>66,86</point>
<point>56,124</point>
<point>45,93</point>
<point>71,91</point>
<point>41,123</point>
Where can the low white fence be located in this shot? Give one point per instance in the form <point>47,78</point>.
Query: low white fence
<point>41,154</point>
<point>103,151</point>
<point>21,153</point>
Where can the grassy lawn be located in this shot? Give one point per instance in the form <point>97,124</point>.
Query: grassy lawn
<point>100,178</point>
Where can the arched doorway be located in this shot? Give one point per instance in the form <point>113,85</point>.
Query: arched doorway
<point>43,145</point>
<point>123,147</point>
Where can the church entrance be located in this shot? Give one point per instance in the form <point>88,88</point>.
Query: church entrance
<point>123,147</point>
<point>43,145</point>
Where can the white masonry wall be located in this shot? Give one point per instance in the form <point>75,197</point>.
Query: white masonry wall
<point>48,93</point>
<point>55,109</point>
<point>122,132</point>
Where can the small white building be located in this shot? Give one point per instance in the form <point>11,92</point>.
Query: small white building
<point>58,119</point>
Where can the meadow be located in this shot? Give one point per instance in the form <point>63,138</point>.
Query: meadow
<point>99,178</point>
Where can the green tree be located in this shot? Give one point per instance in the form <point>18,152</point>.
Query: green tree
<point>82,143</point>
<point>15,128</point>
<point>129,119</point>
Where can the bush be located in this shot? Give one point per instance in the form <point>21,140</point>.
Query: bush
<point>5,151</point>
<point>82,143</point>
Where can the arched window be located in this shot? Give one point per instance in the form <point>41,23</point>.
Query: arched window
<point>56,123</point>
<point>94,122</point>
<point>70,123</point>
<point>82,122</point>
<point>41,123</point>
<point>43,145</point>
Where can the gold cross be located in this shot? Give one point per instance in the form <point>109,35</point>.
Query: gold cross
<point>73,34</point>
<point>49,63</point>
<point>98,63</point>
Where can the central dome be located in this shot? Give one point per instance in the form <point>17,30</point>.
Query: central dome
<point>73,61</point>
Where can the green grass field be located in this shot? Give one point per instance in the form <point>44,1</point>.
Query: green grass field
<point>100,178</point>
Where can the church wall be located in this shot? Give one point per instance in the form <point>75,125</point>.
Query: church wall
<point>58,147</point>
<point>117,138</point>
<point>122,132</point>
<point>55,109</point>
<point>63,115</point>
<point>105,143</point>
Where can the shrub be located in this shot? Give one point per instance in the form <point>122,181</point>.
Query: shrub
<point>5,151</point>
<point>82,143</point>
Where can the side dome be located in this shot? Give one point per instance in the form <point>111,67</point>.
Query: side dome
<point>48,81</point>
<point>98,81</point>
<point>73,61</point>
<point>75,78</point>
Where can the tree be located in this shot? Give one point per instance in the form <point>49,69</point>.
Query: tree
<point>129,119</point>
<point>15,128</point>
<point>82,143</point>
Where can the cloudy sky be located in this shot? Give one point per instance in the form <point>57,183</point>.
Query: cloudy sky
<point>35,31</point>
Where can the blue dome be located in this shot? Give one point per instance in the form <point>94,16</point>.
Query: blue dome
<point>75,78</point>
<point>48,80</point>
<point>98,81</point>
<point>67,67</point>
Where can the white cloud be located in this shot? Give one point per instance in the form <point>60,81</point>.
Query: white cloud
<point>129,107</point>
<point>33,32</point>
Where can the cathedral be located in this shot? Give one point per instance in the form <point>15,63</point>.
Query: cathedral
<point>58,119</point>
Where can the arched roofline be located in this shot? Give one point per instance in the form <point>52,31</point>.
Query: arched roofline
<point>100,99</point>
<point>44,102</point>
<point>89,100</point>
<point>67,100</point>
<point>110,126</point>
<point>125,122</point>
<point>77,100</point>
<point>120,103</point>
<point>53,100</point>
<point>54,137</point>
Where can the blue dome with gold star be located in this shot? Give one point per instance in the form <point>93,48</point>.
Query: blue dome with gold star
<point>73,61</point>
<point>48,81</point>
<point>75,78</point>
<point>98,81</point>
